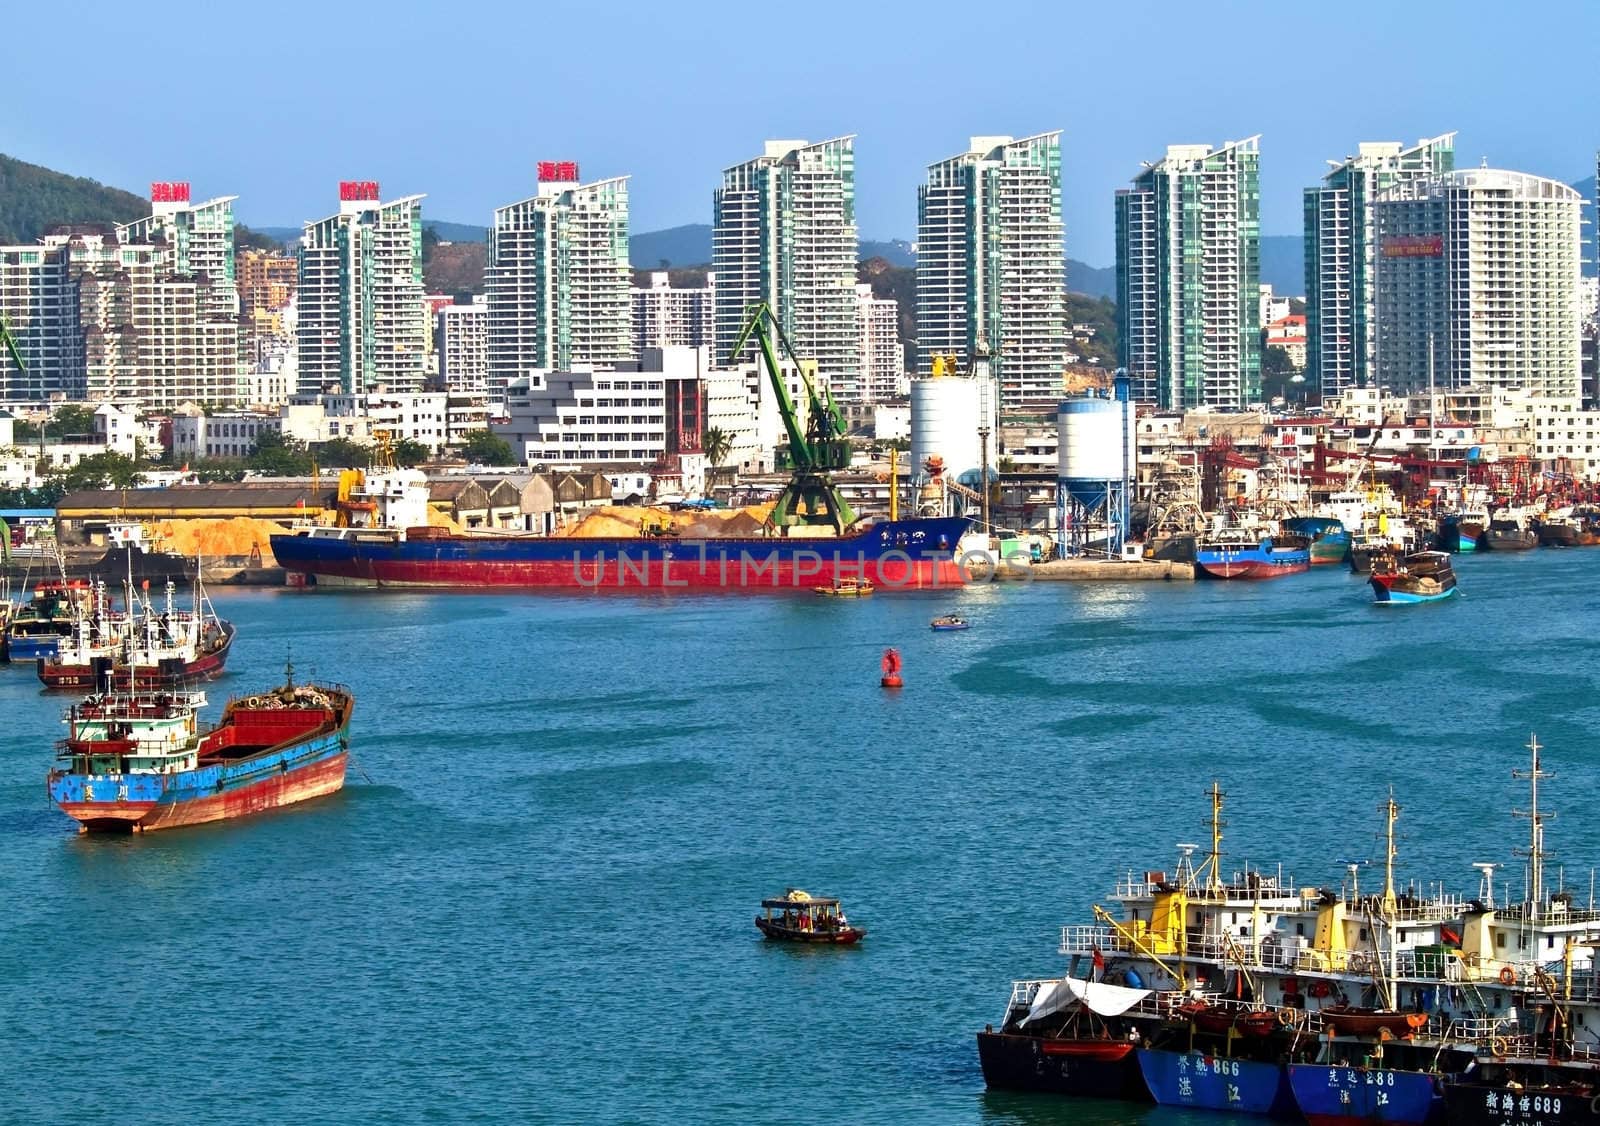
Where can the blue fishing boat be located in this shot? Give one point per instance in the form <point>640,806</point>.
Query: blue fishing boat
<point>1330,1095</point>
<point>1462,531</point>
<point>1425,576</point>
<point>950,622</point>
<point>34,630</point>
<point>1201,1082</point>
<point>1330,539</point>
<point>1242,553</point>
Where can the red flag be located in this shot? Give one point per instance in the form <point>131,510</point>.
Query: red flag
<point>1099,960</point>
<point>185,468</point>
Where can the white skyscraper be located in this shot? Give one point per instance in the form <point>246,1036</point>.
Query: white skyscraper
<point>1478,280</point>
<point>1341,251</point>
<point>669,316</point>
<point>1188,277</point>
<point>991,263</point>
<point>784,232</point>
<point>558,279</point>
<point>362,322</point>
<point>882,358</point>
<point>463,343</point>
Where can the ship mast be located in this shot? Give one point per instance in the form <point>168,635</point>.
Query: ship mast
<point>1391,812</point>
<point>1217,825</point>
<point>1535,829</point>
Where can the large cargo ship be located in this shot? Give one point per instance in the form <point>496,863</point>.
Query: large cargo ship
<point>390,545</point>
<point>137,762</point>
<point>816,539</point>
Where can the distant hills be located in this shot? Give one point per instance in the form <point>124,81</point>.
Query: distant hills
<point>34,199</point>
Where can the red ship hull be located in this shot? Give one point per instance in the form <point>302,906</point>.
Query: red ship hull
<point>1252,569</point>
<point>896,555</point>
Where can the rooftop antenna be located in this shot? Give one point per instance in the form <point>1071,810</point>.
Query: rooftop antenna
<point>1536,821</point>
<point>1486,880</point>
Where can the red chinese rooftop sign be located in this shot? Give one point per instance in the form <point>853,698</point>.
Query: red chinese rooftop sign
<point>558,171</point>
<point>361,191</point>
<point>1413,246</point>
<point>169,191</point>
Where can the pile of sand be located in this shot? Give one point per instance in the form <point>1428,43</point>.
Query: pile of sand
<point>618,521</point>
<point>212,538</point>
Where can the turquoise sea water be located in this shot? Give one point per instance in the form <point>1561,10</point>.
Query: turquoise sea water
<point>539,908</point>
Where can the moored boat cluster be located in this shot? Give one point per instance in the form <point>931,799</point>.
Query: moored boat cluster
<point>1247,993</point>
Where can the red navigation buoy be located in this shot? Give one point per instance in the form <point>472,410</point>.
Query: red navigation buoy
<point>891,669</point>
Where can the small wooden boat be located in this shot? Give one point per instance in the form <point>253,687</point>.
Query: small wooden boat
<point>846,588</point>
<point>798,916</point>
<point>1347,1020</point>
<point>950,622</point>
<point>1425,576</point>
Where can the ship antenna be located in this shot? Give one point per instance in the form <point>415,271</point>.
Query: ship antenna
<point>1536,822</point>
<point>1391,812</point>
<point>288,668</point>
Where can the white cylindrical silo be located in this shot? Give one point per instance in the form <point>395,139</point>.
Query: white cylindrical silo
<point>1095,447</point>
<point>945,416</point>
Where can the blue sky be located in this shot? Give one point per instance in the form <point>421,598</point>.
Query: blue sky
<point>277,102</point>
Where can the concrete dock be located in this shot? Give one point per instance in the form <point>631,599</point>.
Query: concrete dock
<point>1096,570</point>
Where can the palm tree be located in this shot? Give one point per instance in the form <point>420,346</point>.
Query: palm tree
<point>717,443</point>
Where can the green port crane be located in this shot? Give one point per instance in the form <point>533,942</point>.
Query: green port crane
<point>817,449</point>
<point>11,346</point>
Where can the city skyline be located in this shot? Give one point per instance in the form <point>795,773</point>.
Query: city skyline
<point>674,138</point>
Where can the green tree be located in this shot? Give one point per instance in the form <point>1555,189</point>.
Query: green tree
<point>342,453</point>
<point>277,456</point>
<point>484,447</point>
<point>717,443</point>
<point>101,471</point>
<point>408,452</point>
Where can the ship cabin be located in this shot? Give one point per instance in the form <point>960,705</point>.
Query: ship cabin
<point>150,735</point>
<point>799,911</point>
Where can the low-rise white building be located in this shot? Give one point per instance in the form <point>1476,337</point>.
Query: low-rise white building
<point>228,434</point>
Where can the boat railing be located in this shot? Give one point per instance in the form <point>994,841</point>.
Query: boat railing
<point>1086,938</point>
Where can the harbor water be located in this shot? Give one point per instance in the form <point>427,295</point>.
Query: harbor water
<point>534,900</point>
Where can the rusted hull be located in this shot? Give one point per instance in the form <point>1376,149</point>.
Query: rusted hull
<point>315,781</point>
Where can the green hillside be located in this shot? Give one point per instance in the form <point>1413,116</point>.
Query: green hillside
<point>34,199</point>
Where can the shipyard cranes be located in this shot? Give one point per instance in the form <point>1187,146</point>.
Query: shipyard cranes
<point>817,447</point>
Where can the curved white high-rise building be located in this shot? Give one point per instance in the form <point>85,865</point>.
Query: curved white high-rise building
<point>1480,268</point>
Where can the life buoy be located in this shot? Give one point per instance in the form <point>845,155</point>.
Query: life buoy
<point>1320,989</point>
<point>1287,1017</point>
<point>1497,1046</point>
<point>1594,1105</point>
<point>1508,976</point>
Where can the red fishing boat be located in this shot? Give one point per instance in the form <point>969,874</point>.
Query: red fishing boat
<point>800,917</point>
<point>154,648</point>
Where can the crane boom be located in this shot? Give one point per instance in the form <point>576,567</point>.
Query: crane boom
<point>816,447</point>
<point>10,342</point>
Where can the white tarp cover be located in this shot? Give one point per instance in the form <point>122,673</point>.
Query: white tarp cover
<point>1107,1000</point>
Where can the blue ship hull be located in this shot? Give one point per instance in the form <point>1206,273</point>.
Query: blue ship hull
<point>1201,1082</point>
<point>281,776</point>
<point>1361,1096</point>
<point>29,649</point>
<point>1384,594</point>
